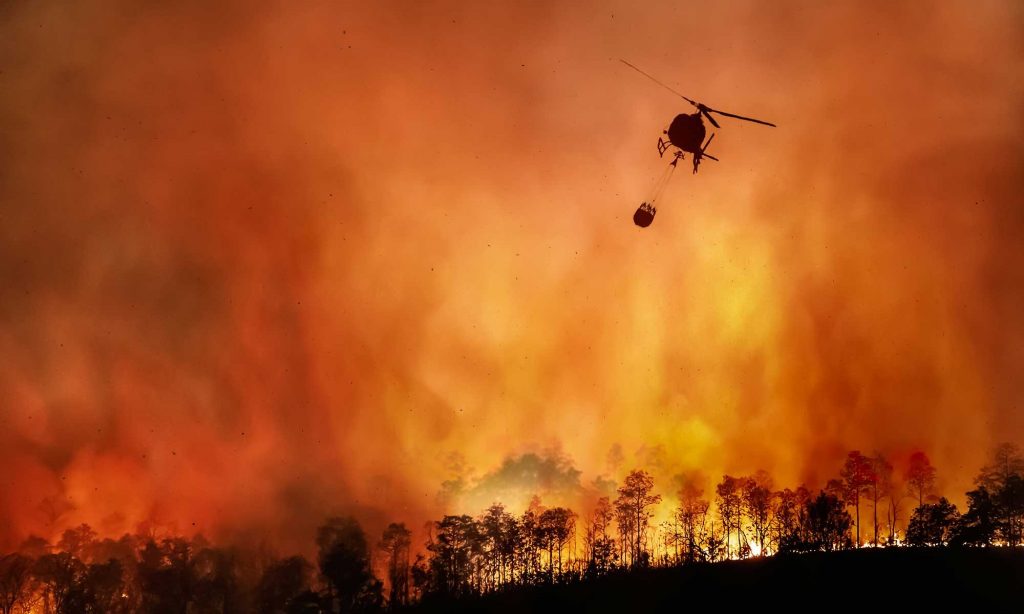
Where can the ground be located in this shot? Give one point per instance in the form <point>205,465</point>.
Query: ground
<point>867,580</point>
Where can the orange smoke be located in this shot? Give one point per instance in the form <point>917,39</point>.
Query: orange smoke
<point>264,264</point>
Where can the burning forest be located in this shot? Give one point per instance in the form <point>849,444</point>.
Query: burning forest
<point>465,556</point>
<point>289,291</point>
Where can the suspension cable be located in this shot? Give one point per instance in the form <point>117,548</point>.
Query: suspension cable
<point>661,184</point>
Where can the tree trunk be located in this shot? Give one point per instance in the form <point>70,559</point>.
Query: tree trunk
<point>856,506</point>
<point>636,541</point>
<point>874,512</point>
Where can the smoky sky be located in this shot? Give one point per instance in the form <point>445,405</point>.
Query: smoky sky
<point>263,262</point>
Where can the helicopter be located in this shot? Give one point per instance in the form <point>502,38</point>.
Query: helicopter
<point>687,131</point>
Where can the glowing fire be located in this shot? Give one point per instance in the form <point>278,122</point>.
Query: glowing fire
<point>308,261</point>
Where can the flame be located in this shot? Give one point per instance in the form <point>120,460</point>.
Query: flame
<point>305,261</point>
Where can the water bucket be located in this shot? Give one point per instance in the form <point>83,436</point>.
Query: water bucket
<point>644,215</point>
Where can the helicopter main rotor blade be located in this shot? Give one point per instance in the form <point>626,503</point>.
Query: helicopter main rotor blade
<point>749,119</point>
<point>660,83</point>
<point>704,111</point>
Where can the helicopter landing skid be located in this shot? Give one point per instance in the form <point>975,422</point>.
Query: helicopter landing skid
<point>663,146</point>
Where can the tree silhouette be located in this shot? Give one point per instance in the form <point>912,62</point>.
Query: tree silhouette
<point>217,580</point>
<point>15,582</point>
<point>556,527</point>
<point>529,547</point>
<point>837,488</point>
<point>692,516</point>
<point>34,547</point>
<point>104,589</point>
<point>894,491</point>
<point>977,526</point>
<point>467,556</point>
<point>858,476</point>
<point>730,508</point>
<point>932,524</point>
<point>1003,477</point>
<point>491,528</point>
<point>790,515</point>
<point>634,499</point>
<point>826,523</point>
<point>758,501</point>
<point>1010,508</point>
<point>500,539</point>
<point>1007,461</point>
<point>625,522</point>
<point>920,476</point>
<point>78,542</point>
<point>881,486</point>
<point>454,546</point>
<point>344,561</point>
<point>124,549</point>
<point>600,547</point>
<point>60,576</point>
<point>715,545</point>
<point>509,541</point>
<point>395,543</point>
<point>167,575</point>
<point>281,583</point>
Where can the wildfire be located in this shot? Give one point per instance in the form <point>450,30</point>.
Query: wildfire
<point>223,286</point>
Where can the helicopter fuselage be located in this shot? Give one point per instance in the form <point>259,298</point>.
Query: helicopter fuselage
<point>687,132</point>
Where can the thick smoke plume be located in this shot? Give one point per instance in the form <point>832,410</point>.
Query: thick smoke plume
<point>262,263</point>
